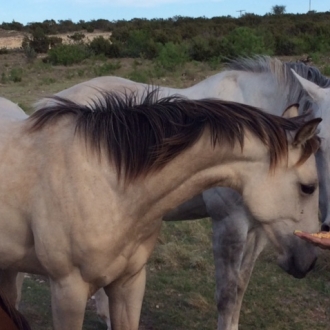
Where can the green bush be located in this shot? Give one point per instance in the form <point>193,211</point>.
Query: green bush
<point>77,37</point>
<point>89,29</point>
<point>68,54</point>
<point>100,45</point>
<point>243,41</point>
<point>54,41</point>
<point>199,49</point>
<point>136,43</point>
<point>16,75</point>
<point>39,41</point>
<point>285,46</point>
<point>140,76</point>
<point>171,56</point>
<point>107,68</point>
<point>326,70</point>
<point>4,78</point>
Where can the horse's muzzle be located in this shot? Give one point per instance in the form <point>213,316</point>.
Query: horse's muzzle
<point>290,266</point>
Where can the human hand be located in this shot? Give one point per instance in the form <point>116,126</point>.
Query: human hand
<point>321,239</point>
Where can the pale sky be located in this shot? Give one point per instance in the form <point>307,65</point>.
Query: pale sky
<point>25,11</point>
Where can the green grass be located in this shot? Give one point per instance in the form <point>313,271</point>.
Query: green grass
<point>180,286</point>
<point>180,292</point>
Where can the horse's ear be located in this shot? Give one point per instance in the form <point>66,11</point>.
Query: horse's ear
<point>291,111</point>
<point>314,91</point>
<point>306,132</point>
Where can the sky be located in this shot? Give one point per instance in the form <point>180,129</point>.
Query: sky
<point>26,11</point>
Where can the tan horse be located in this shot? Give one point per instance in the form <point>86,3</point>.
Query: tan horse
<point>83,189</point>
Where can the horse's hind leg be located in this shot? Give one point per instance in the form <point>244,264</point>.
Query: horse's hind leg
<point>125,298</point>
<point>69,298</point>
<point>8,285</point>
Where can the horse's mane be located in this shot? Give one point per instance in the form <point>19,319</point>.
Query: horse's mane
<point>143,134</point>
<point>284,76</point>
<point>17,318</point>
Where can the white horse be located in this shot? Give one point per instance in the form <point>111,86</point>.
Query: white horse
<point>263,82</point>
<point>84,189</point>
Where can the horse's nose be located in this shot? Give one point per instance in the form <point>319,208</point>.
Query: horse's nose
<point>325,227</point>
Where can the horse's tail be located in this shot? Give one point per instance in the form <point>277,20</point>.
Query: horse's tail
<point>10,317</point>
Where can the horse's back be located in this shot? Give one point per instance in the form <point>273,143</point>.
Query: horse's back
<point>10,111</point>
<point>88,91</point>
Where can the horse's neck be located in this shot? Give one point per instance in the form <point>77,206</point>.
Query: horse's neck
<point>195,170</point>
<point>10,111</point>
<point>256,89</point>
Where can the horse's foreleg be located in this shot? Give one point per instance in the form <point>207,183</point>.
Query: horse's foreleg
<point>102,307</point>
<point>229,236</point>
<point>256,241</point>
<point>69,298</point>
<point>125,299</point>
<point>8,285</point>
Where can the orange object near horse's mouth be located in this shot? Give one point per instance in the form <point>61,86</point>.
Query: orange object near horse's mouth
<point>322,234</point>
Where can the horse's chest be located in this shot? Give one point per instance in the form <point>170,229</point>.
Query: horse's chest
<point>122,254</point>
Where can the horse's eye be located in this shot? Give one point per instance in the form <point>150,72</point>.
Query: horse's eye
<point>308,189</point>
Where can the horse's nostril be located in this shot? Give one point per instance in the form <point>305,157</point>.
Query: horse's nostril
<point>325,227</point>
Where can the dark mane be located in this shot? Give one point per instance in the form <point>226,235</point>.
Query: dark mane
<point>143,134</point>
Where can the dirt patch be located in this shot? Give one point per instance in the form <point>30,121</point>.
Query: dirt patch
<point>13,39</point>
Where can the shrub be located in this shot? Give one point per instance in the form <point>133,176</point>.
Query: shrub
<point>100,45</point>
<point>39,41</point>
<point>326,70</point>
<point>16,75</point>
<point>285,46</point>
<point>243,42</point>
<point>171,56</point>
<point>54,41</point>
<point>200,49</point>
<point>29,53</point>
<point>4,78</point>
<point>135,43</point>
<point>68,54</point>
<point>139,76</point>
<point>77,36</point>
<point>107,68</point>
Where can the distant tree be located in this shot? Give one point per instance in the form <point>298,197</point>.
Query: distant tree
<point>278,10</point>
<point>39,41</point>
<point>77,37</point>
<point>12,26</point>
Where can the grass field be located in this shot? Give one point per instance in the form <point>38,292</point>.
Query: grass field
<point>180,286</point>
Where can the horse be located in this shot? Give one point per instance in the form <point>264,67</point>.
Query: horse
<point>84,189</point>
<point>263,82</point>
<point>10,318</point>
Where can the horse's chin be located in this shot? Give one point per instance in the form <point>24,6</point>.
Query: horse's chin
<point>290,265</point>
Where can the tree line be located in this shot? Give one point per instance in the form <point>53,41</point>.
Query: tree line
<point>186,38</point>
